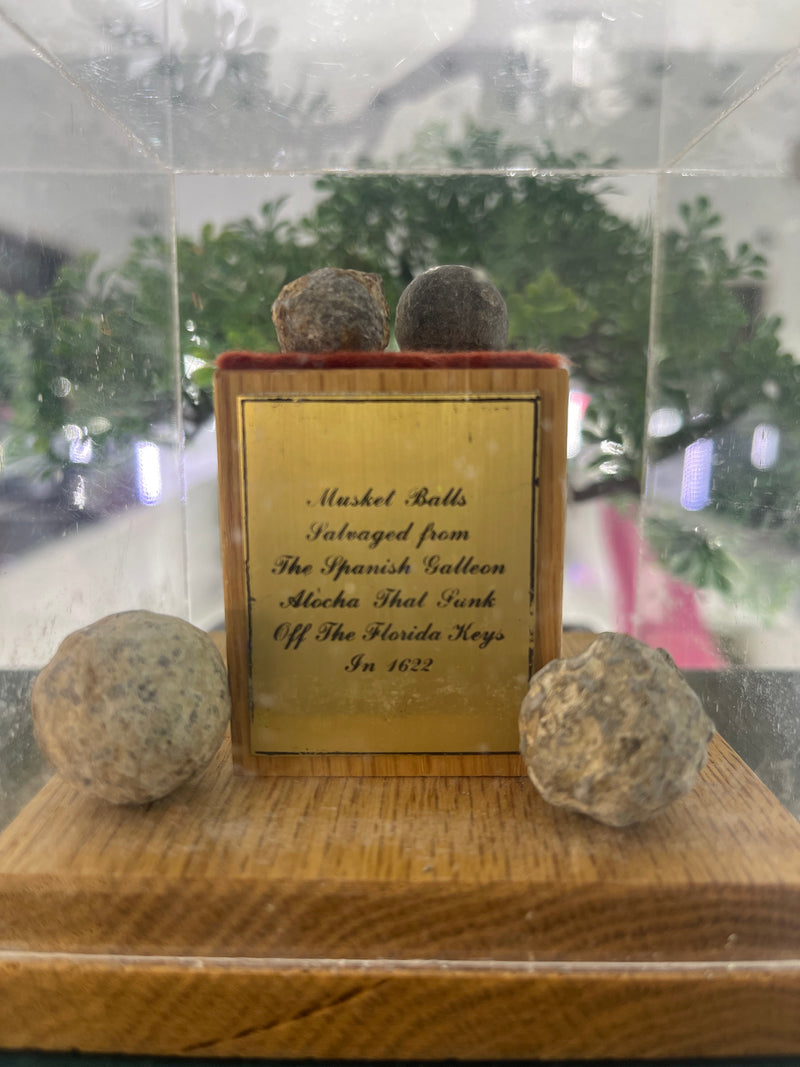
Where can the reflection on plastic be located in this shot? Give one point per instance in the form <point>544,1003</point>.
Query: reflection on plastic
<point>78,494</point>
<point>765,446</point>
<point>696,482</point>
<point>149,485</point>
<point>80,443</point>
<point>664,422</point>
<point>578,403</point>
<point>81,450</point>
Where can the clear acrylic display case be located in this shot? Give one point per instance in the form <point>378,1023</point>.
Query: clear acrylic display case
<point>629,173</point>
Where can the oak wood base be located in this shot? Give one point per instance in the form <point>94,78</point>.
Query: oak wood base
<point>283,1009</point>
<point>401,918</point>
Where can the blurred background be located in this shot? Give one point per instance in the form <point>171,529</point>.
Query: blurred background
<point>626,171</point>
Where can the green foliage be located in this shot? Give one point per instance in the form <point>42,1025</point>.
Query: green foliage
<point>724,372</point>
<point>577,279</point>
<point>691,555</point>
<point>227,281</point>
<point>546,308</point>
<point>714,362</point>
<point>93,352</point>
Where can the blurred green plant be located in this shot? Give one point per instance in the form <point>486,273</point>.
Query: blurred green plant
<point>577,279</point>
<point>94,351</point>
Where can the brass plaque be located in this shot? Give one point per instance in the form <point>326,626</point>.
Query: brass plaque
<point>389,555</point>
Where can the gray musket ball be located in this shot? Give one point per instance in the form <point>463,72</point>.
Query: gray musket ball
<point>132,706</point>
<point>332,310</point>
<point>451,309</point>
<point>615,732</point>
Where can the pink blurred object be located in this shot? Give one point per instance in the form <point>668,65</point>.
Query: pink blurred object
<point>652,605</point>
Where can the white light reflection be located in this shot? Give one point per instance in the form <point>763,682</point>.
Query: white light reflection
<point>765,446</point>
<point>612,448</point>
<point>80,443</point>
<point>578,403</point>
<point>149,485</point>
<point>81,450</point>
<point>79,493</point>
<point>191,364</point>
<point>98,425</point>
<point>584,46</point>
<point>61,387</point>
<point>664,422</point>
<point>609,467</point>
<point>696,482</point>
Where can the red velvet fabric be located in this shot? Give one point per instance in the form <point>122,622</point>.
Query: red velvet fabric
<point>358,360</point>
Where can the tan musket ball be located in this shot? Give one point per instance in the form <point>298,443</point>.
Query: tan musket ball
<point>132,706</point>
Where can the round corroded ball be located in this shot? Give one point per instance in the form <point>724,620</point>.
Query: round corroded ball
<point>451,309</point>
<point>132,706</point>
<point>615,732</point>
<point>332,310</point>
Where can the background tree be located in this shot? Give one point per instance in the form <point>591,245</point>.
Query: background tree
<point>92,351</point>
<point>577,279</point>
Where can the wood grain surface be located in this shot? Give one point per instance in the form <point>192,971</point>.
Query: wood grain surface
<point>230,384</point>
<point>403,868</point>
<point>312,1010</point>
<point>414,917</point>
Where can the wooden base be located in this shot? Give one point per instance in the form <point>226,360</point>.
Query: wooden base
<point>401,918</point>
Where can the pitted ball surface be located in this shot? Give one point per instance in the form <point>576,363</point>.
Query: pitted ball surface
<point>615,733</point>
<point>132,706</point>
<point>332,310</point>
<point>451,309</point>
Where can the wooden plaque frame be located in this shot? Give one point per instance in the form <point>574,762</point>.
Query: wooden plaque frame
<point>254,396</point>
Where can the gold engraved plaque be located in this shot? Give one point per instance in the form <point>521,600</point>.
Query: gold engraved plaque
<point>392,547</point>
<point>390,557</point>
